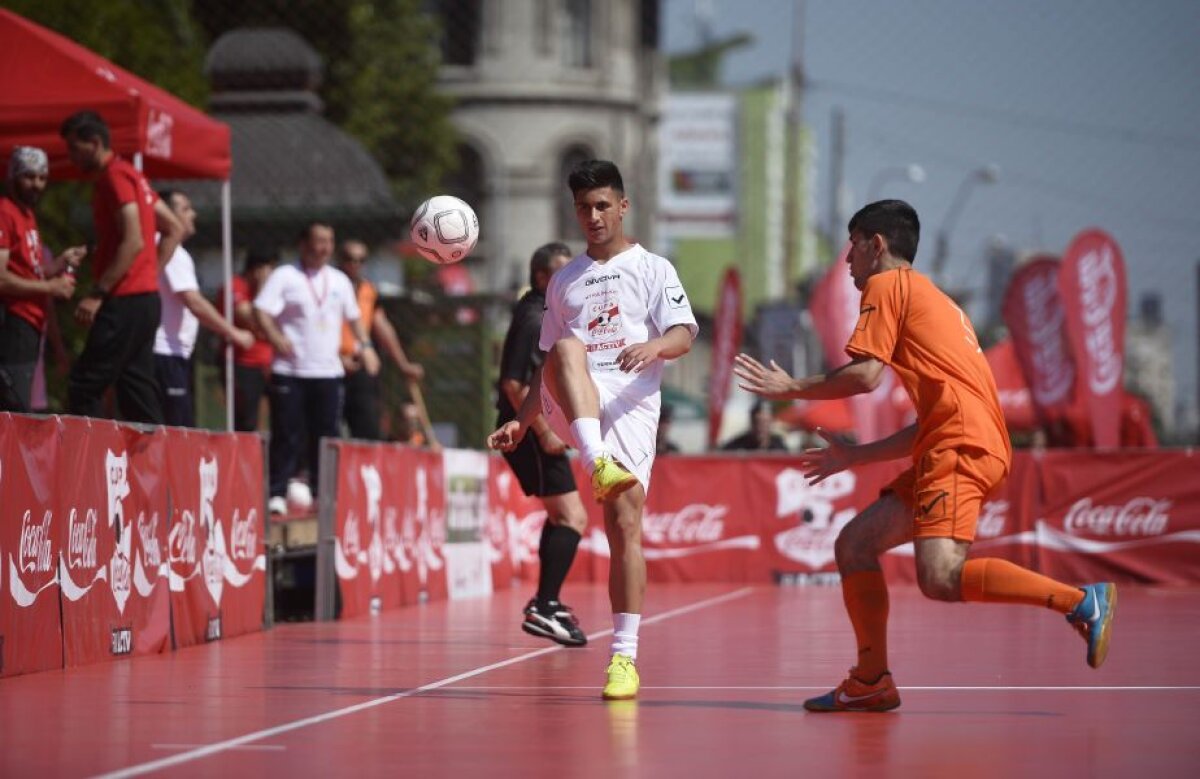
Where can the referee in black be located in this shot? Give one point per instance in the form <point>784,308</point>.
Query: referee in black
<point>539,461</point>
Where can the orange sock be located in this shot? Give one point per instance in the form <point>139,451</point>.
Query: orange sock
<point>992,580</point>
<point>866,597</point>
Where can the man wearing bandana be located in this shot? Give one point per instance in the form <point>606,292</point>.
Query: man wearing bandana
<point>26,284</point>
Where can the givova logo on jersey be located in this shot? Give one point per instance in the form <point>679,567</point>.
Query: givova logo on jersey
<point>128,568</point>
<point>197,545</point>
<point>811,540</point>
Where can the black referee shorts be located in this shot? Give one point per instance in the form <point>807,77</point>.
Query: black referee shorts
<point>541,475</point>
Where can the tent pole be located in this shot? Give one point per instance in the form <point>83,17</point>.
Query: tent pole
<point>137,161</point>
<point>227,273</point>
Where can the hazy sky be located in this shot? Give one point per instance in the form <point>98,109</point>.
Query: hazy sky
<point>1091,110</point>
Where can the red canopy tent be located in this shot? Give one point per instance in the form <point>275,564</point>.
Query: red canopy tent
<point>44,78</point>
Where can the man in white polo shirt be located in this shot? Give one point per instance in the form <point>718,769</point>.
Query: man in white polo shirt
<point>184,309</point>
<point>302,308</point>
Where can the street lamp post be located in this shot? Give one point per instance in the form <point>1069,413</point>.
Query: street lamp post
<point>988,174</point>
<point>912,173</point>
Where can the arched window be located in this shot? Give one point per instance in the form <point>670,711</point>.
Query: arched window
<point>462,27</point>
<point>568,227</point>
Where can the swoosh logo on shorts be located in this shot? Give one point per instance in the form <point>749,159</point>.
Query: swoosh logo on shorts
<point>928,508</point>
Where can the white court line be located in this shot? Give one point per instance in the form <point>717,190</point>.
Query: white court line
<point>222,746</point>
<point>246,747</point>
<point>1006,688</point>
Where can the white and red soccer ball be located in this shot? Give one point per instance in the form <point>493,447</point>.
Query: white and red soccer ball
<point>444,229</point>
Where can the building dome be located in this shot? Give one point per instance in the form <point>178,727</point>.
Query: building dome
<point>262,58</point>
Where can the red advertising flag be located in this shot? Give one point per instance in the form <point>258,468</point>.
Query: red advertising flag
<point>727,340</point>
<point>1034,314</point>
<point>30,542</point>
<point>1015,399</point>
<point>1092,285</point>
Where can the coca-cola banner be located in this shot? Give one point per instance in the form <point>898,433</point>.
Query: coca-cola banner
<point>389,527</point>
<point>30,542</point>
<point>727,340</point>
<point>1092,285</point>
<point>468,564</point>
<point>113,568</point>
<point>1124,516</point>
<point>215,550</point>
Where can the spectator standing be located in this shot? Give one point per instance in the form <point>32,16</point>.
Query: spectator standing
<point>26,282</point>
<point>760,436</point>
<point>251,366</point>
<point>302,308</point>
<point>122,308</point>
<point>184,309</point>
<point>362,406</point>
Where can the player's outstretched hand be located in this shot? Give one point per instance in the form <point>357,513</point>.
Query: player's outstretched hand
<point>772,382</point>
<point>507,437</point>
<point>819,464</point>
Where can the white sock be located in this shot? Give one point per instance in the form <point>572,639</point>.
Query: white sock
<point>625,634</point>
<point>591,444</point>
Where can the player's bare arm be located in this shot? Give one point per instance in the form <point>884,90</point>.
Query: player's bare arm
<point>509,435</point>
<point>129,225</point>
<point>862,374</point>
<point>819,464</point>
<point>170,230</point>
<point>676,342</point>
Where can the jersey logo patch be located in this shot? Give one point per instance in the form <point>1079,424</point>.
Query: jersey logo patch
<point>604,318</point>
<point>676,297</point>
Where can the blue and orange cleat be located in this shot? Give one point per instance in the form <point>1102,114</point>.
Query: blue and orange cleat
<point>1093,619</point>
<point>856,695</point>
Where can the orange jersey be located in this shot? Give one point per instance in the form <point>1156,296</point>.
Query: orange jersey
<point>908,323</point>
<point>367,296</point>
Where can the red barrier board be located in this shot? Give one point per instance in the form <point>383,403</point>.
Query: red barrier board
<point>215,549</point>
<point>113,570</point>
<point>389,527</point>
<point>30,629</point>
<point>1124,516</point>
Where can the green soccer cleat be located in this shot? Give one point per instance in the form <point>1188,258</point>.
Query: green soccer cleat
<point>610,479</point>
<point>623,681</point>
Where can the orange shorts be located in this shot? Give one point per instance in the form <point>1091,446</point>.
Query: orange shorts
<point>945,489</point>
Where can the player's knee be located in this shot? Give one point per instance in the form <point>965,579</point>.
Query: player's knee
<point>938,582</point>
<point>849,551</point>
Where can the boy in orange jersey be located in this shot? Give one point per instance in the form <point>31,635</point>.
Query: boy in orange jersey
<point>959,449</point>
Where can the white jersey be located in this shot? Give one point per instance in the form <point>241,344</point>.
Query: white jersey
<point>309,309</point>
<point>176,335</point>
<point>634,297</point>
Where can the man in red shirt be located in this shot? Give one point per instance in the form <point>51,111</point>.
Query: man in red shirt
<point>251,367</point>
<point>122,308</point>
<point>26,284</point>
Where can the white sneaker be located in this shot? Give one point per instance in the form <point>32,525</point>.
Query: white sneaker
<point>277,505</point>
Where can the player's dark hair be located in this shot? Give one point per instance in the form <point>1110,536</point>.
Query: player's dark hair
<point>87,126</point>
<point>595,174</point>
<point>540,261</point>
<point>307,231</point>
<point>258,257</point>
<point>760,406</point>
<point>896,221</point>
<point>167,196</point>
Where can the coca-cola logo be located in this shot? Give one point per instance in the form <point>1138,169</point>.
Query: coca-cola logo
<point>181,541</point>
<point>1136,517</point>
<point>243,535</point>
<point>148,531</point>
<point>1053,371</point>
<point>81,539</point>
<point>350,536</point>
<point>1098,285</point>
<point>34,555</point>
<point>695,523</point>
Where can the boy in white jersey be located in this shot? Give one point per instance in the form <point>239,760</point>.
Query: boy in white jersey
<point>613,315</point>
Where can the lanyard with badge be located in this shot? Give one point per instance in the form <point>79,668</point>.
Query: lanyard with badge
<point>322,322</point>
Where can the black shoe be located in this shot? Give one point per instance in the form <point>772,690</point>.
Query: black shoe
<point>554,621</point>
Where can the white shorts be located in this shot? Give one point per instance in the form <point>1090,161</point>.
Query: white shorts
<point>629,428</point>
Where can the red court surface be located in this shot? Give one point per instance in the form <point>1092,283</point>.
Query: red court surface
<point>456,689</point>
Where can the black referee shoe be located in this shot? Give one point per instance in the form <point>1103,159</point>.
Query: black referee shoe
<point>554,621</point>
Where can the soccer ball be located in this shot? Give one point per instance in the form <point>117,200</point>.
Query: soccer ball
<point>445,229</point>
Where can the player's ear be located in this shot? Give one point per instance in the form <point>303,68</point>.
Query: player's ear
<point>624,206</point>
